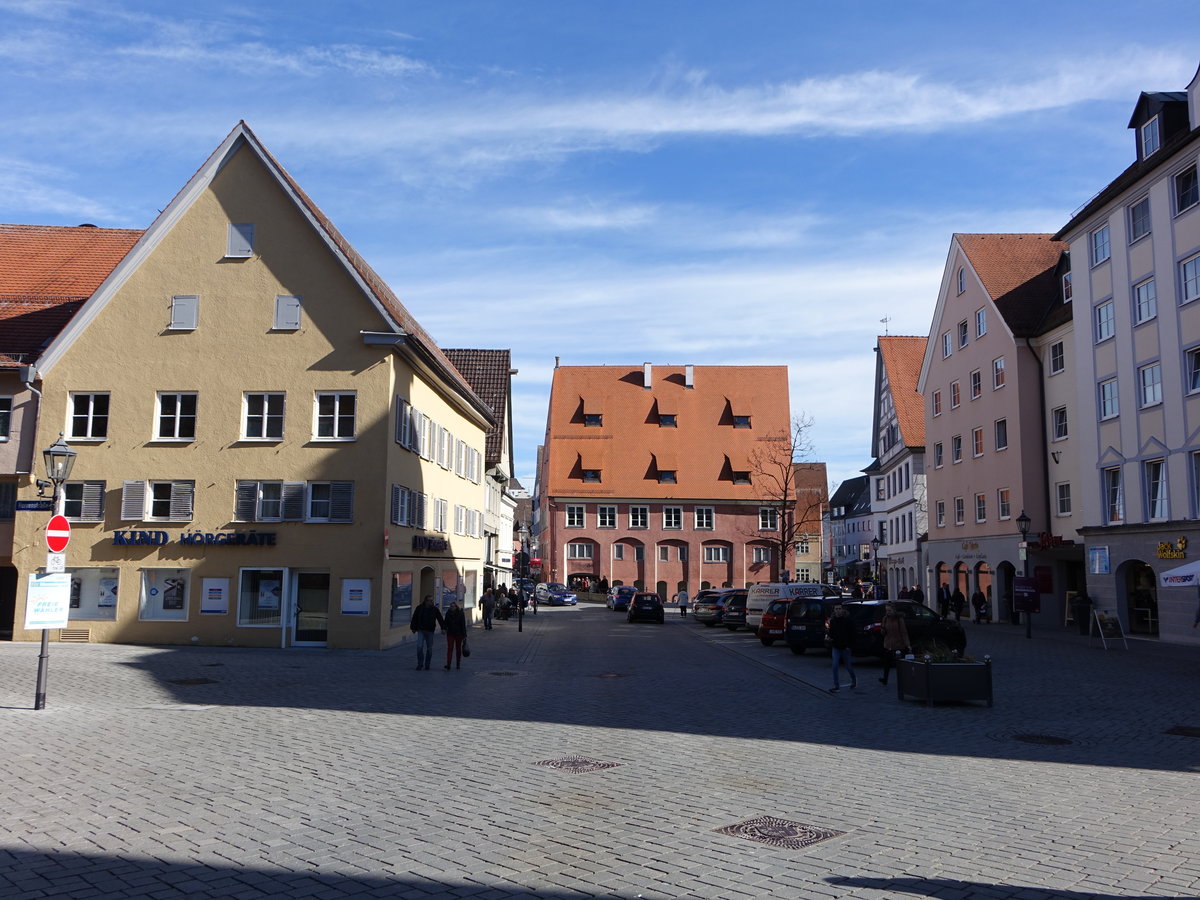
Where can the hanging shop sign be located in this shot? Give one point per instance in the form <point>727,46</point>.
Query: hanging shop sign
<point>194,538</point>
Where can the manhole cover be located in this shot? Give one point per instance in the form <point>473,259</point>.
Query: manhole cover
<point>190,681</point>
<point>576,765</point>
<point>503,674</point>
<point>613,675</point>
<point>1048,740</point>
<point>779,832</point>
<point>1185,730</point>
<point>213,665</point>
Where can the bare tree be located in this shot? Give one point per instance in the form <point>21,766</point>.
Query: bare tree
<point>794,491</point>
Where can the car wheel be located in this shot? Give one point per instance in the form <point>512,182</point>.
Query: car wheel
<point>732,627</point>
<point>799,651</point>
<point>767,642</point>
<point>709,624</point>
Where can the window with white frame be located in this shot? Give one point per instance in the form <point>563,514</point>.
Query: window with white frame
<point>1193,370</point>
<point>164,595</point>
<point>270,501</point>
<point>1189,279</point>
<point>408,507</point>
<point>575,517</point>
<point>998,374</point>
<point>240,240</point>
<point>1100,244</point>
<point>1150,384</point>
<point>716,553</point>
<point>956,449</point>
<point>440,510</point>
<point>705,518</point>
<point>959,511</point>
<point>938,460</point>
<point>672,517</point>
<point>1139,219</point>
<point>977,442</point>
<point>768,518</point>
<point>606,517</point>
<point>940,508</point>
<point>185,312</point>
<point>962,279</point>
<point>1058,423</point>
<point>83,501</point>
<point>618,551</point>
<point>89,417</point>
<point>981,507</point>
<point>157,501</point>
<point>955,395</point>
<point>1150,138</point>
<point>976,379</point>
<point>639,517</point>
<point>802,546</point>
<point>1003,503</point>
<point>980,322</point>
<point>1058,358</point>
<point>1187,189</point>
<point>1109,407</point>
<point>1001,434</point>
<point>963,336</point>
<point>334,416</point>
<point>1066,287</point>
<point>1155,477</point>
<point>176,417</point>
<point>580,551</point>
<point>664,553</point>
<point>947,344</point>
<point>6,404</point>
<point>1145,301</point>
<point>937,403</point>
<point>1062,498</point>
<point>333,501</point>
<point>1114,495</point>
<point>762,555</point>
<point>263,420</point>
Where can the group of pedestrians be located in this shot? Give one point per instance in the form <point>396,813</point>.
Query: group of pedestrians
<point>427,619</point>
<point>841,642</point>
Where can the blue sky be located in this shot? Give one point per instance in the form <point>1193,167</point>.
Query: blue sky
<point>610,182</point>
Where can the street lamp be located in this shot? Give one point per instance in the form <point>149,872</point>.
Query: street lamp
<point>875,542</point>
<point>1023,522</point>
<point>523,534</point>
<point>59,459</point>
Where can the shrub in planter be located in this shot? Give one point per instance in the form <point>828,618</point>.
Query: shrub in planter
<point>939,676</point>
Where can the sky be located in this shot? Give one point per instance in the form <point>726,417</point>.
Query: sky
<point>610,182</point>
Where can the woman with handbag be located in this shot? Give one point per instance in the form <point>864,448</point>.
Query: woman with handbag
<point>895,638</point>
<point>456,633</point>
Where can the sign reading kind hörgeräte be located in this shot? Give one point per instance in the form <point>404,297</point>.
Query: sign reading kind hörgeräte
<point>49,601</point>
<point>194,538</point>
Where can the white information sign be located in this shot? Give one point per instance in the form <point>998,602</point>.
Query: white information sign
<point>214,596</point>
<point>56,563</point>
<point>48,602</point>
<point>356,596</point>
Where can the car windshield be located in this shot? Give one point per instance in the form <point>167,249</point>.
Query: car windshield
<point>777,607</point>
<point>555,586</point>
<point>646,600</point>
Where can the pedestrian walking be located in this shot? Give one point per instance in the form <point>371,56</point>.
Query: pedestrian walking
<point>895,638</point>
<point>488,603</point>
<point>841,638</point>
<point>682,598</point>
<point>533,602</point>
<point>425,621</point>
<point>958,603</point>
<point>917,595</point>
<point>905,594</point>
<point>456,633</point>
<point>944,600</point>
<point>979,605</point>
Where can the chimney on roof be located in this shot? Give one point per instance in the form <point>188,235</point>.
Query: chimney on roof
<point>647,370</point>
<point>556,362</point>
<point>689,377</point>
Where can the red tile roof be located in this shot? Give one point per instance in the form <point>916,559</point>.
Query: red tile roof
<point>46,272</point>
<point>1018,272</point>
<point>631,447</point>
<point>901,357</point>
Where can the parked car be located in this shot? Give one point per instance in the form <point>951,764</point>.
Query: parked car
<point>760,596</point>
<point>806,618</point>
<point>734,616</point>
<point>708,608</point>
<point>772,626</point>
<point>647,607</point>
<point>554,593</point>
<point>924,626</point>
<point>619,597</point>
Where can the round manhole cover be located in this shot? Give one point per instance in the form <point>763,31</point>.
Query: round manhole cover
<point>613,675</point>
<point>1043,739</point>
<point>503,674</point>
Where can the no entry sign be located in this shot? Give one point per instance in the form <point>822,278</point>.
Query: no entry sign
<point>58,534</point>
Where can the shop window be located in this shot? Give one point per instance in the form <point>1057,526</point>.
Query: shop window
<point>164,595</point>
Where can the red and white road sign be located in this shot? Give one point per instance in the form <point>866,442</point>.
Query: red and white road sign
<point>58,534</point>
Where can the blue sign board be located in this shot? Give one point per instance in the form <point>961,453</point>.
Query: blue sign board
<point>35,505</point>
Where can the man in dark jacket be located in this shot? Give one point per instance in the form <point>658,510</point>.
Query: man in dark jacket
<point>917,595</point>
<point>841,638</point>
<point>426,619</point>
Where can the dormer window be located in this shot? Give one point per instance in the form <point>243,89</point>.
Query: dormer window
<point>593,412</point>
<point>741,421</point>
<point>741,476</point>
<point>1066,287</point>
<point>666,420</point>
<point>667,476</point>
<point>593,420</point>
<point>666,467</point>
<point>592,475</point>
<point>1150,137</point>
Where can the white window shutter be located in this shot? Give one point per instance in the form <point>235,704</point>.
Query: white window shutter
<point>185,312</point>
<point>287,312</point>
<point>293,500</point>
<point>133,501</point>
<point>246,501</point>
<point>397,494</point>
<point>92,507</point>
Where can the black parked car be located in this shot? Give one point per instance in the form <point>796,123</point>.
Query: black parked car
<point>647,607</point>
<point>734,616</point>
<point>924,626</point>
<point>708,607</point>
<point>806,619</point>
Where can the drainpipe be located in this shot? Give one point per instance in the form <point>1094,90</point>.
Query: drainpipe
<point>1045,442</point>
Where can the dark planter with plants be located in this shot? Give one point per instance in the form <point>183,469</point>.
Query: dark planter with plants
<point>935,682</point>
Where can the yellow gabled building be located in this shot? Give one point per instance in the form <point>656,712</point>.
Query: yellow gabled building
<point>270,450</point>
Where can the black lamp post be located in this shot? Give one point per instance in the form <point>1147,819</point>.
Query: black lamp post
<point>523,534</point>
<point>1023,522</point>
<point>875,542</point>
<point>60,460</point>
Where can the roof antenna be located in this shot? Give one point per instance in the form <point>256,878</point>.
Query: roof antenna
<point>884,321</point>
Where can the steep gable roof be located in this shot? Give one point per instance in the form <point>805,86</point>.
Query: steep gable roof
<point>46,272</point>
<point>852,496</point>
<point>489,374</point>
<point>1018,273</point>
<point>630,446</point>
<point>901,357</point>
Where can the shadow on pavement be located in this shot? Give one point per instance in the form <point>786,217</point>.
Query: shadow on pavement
<point>951,887</point>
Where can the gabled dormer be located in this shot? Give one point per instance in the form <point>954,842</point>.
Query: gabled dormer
<point>1158,117</point>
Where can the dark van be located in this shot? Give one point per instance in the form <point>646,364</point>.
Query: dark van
<point>806,622</point>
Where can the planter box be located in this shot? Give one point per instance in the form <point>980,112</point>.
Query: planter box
<point>943,681</point>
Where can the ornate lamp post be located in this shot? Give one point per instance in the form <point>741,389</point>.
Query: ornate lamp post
<point>60,460</point>
<point>875,542</point>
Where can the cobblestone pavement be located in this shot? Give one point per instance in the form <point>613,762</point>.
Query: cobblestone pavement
<point>215,772</point>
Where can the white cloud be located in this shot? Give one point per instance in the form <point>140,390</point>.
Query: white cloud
<point>25,187</point>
